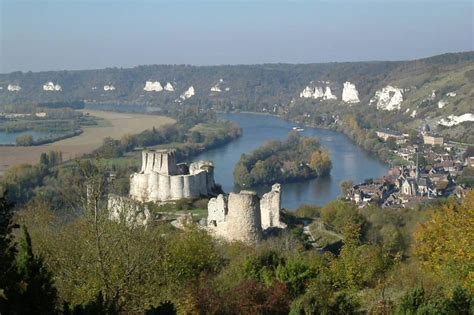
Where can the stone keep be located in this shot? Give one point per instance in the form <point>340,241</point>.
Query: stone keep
<point>160,179</point>
<point>243,216</point>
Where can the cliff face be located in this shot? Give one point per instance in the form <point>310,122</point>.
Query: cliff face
<point>388,98</point>
<point>153,86</point>
<point>350,94</point>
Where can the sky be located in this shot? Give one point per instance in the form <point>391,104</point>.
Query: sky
<point>44,35</point>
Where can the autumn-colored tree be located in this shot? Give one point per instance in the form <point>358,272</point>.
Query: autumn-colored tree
<point>321,162</point>
<point>445,243</point>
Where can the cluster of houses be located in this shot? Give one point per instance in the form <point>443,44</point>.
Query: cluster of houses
<point>406,186</point>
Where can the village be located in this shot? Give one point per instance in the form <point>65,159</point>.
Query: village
<point>430,169</point>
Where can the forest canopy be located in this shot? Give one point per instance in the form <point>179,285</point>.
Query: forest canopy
<point>296,158</point>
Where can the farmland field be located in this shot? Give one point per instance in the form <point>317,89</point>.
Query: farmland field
<point>112,124</point>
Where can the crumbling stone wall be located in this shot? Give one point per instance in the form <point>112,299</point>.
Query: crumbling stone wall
<point>270,207</point>
<point>131,212</point>
<point>217,210</point>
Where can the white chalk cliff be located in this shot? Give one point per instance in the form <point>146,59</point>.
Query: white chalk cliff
<point>350,94</point>
<point>188,93</point>
<point>168,87</point>
<point>50,86</point>
<point>389,98</point>
<point>13,88</point>
<point>153,86</point>
<point>322,92</point>
<point>309,92</point>
<point>109,87</point>
<point>453,120</point>
<point>216,88</point>
<point>328,94</point>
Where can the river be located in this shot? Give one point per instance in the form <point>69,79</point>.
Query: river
<point>349,161</point>
<point>10,138</point>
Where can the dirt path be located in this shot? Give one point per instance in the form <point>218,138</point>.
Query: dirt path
<point>117,125</point>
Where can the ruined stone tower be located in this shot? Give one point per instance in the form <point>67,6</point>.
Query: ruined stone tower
<point>270,206</point>
<point>243,216</point>
<point>160,179</point>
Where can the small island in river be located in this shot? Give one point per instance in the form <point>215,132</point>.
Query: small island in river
<point>294,159</point>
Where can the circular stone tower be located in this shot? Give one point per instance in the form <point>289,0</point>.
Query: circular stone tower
<point>244,223</point>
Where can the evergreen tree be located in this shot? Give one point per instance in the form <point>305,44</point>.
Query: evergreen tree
<point>38,294</point>
<point>8,273</point>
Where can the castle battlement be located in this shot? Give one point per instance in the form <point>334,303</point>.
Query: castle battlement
<point>159,161</point>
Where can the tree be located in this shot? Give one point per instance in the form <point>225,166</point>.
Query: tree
<point>195,137</point>
<point>8,273</point>
<point>38,294</point>
<point>241,174</point>
<point>321,162</point>
<point>24,140</point>
<point>469,152</point>
<point>44,159</point>
<point>345,186</point>
<point>391,143</point>
<point>445,243</point>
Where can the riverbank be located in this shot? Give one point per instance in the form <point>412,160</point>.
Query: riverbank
<point>115,126</point>
<point>333,127</point>
<point>349,161</point>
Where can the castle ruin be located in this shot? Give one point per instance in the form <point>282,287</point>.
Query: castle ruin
<point>244,216</point>
<point>162,179</point>
<point>237,217</point>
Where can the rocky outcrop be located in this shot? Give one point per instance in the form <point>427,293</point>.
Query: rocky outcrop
<point>13,88</point>
<point>188,93</point>
<point>328,94</point>
<point>153,86</point>
<point>50,86</point>
<point>109,87</point>
<point>389,98</point>
<point>169,87</point>
<point>350,94</point>
<point>216,88</point>
<point>161,180</point>
<point>453,120</point>
<point>318,92</point>
<point>442,103</point>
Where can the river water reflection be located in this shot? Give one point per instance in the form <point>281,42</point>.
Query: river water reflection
<point>349,161</point>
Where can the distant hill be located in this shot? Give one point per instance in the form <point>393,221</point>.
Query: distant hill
<point>259,87</point>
